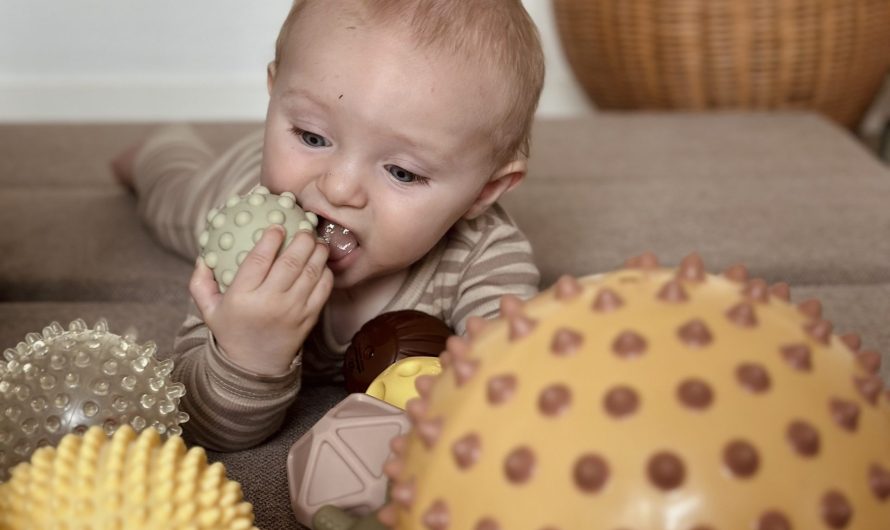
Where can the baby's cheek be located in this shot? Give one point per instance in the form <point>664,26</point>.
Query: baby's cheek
<point>274,184</point>
<point>413,244</point>
<point>278,185</point>
<point>280,172</point>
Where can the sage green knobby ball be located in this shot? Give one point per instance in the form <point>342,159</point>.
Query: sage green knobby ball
<point>234,229</point>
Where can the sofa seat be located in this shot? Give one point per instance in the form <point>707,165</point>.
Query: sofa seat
<point>791,195</point>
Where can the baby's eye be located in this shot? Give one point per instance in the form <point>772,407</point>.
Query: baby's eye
<point>403,175</point>
<point>311,139</point>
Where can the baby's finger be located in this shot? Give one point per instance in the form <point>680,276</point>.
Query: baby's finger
<point>321,291</point>
<point>255,268</point>
<point>313,271</point>
<point>204,289</point>
<point>290,264</point>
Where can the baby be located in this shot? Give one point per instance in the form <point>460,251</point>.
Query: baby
<point>400,123</point>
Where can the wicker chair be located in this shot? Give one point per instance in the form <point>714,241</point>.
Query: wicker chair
<point>828,55</point>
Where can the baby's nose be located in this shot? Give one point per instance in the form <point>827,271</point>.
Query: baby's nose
<point>343,188</point>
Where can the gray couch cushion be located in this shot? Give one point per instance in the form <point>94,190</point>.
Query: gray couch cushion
<point>76,155</point>
<point>791,195</point>
<point>82,244</point>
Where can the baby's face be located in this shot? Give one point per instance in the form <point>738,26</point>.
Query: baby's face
<point>384,139</point>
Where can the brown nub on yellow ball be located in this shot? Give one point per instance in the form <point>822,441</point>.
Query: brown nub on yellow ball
<point>648,398</point>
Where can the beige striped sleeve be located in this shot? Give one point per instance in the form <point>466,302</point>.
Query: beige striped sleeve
<point>494,259</point>
<point>229,408</point>
<point>178,179</point>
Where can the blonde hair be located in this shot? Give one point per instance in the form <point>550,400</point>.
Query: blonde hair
<point>497,33</point>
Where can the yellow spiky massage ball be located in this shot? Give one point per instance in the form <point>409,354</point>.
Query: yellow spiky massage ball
<point>125,482</point>
<point>648,399</point>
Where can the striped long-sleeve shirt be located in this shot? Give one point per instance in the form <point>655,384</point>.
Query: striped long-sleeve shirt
<point>178,179</point>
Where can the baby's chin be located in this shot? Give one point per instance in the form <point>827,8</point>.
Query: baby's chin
<point>357,279</point>
<point>352,278</point>
<point>342,281</point>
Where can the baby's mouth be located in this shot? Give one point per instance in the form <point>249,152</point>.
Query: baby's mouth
<point>340,240</point>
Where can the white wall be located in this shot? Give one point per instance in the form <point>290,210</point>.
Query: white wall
<point>107,60</point>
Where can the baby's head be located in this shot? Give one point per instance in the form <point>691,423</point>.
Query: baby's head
<point>397,118</point>
<point>497,35</point>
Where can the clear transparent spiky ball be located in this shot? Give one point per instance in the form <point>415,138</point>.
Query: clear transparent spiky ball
<point>64,381</point>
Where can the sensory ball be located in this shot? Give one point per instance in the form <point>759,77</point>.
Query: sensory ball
<point>126,482</point>
<point>649,398</point>
<point>64,381</point>
<point>388,338</point>
<point>233,230</point>
<point>340,460</point>
<point>395,385</point>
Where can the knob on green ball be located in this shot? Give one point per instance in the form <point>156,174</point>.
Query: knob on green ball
<point>235,228</point>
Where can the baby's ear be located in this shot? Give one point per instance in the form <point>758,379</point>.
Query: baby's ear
<point>270,76</point>
<point>503,180</point>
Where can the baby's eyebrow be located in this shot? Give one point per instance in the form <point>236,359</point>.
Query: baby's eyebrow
<point>433,151</point>
<point>300,93</point>
<point>427,153</point>
<point>406,139</point>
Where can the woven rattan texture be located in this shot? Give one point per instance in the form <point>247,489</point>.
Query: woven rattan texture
<point>828,55</point>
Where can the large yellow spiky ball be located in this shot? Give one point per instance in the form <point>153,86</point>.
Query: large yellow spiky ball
<point>91,482</point>
<point>648,399</point>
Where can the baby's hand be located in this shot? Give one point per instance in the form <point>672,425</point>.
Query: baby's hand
<point>272,304</point>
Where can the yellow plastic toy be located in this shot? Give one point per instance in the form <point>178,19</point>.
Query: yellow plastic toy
<point>648,399</point>
<point>91,482</point>
<point>395,384</point>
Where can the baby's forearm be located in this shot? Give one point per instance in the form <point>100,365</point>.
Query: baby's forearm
<point>230,408</point>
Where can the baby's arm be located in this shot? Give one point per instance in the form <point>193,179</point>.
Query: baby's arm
<point>177,178</point>
<point>265,315</point>
<point>229,408</point>
<point>239,359</point>
<point>500,262</point>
